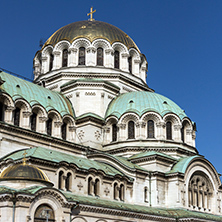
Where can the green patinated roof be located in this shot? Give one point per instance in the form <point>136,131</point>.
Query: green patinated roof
<point>89,80</point>
<point>90,115</point>
<point>141,102</point>
<point>150,153</point>
<point>164,212</point>
<point>18,88</point>
<point>182,165</point>
<point>57,157</point>
<point>96,201</point>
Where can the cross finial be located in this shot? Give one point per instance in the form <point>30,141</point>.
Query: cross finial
<point>91,14</point>
<point>24,158</point>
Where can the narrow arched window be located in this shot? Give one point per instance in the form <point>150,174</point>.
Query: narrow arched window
<point>114,132</point>
<point>182,134</point>
<point>17,116</point>
<point>115,191</point>
<point>116,59</point>
<point>64,58</point>
<point>150,129</point>
<point>60,183</point>
<point>100,56</point>
<point>68,182</point>
<point>64,130</point>
<point>2,111</point>
<point>169,130</point>
<point>131,130</point>
<point>121,192</point>
<point>82,56</point>
<point>33,119</point>
<point>44,213</point>
<point>49,126</point>
<point>90,186</point>
<point>130,64</point>
<point>145,194</point>
<point>51,58</point>
<point>96,187</point>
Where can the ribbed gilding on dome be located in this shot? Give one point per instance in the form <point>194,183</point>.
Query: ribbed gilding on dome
<point>141,102</point>
<point>91,30</point>
<point>24,172</point>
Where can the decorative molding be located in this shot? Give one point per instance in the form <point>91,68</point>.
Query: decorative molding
<point>98,135</point>
<point>90,93</point>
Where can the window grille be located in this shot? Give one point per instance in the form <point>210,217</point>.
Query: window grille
<point>100,56</point>
<point>65,58</point>
<point>33,121</point>
<point>116,59</point>
<point>82,56</point>
<point>150,129</point>
<point>131,130</point>
<point>169,131</point>
<point>114,132</point>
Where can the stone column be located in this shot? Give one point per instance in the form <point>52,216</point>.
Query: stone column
<point>188,136</point>
<point>136,67</point>
<point>57,63</point>
<point>25,121</point>
<point>41,127</point>
<point>177,133</point>
<point>91,56</point>
<point>109,59</point>
<point>143,73</point>
<point>161,134</point>
<point>73,58</point>
<point>124,65</point>
<point>45,64</point>
<point>140,131</point>
<point>71,133</point>
<point>107,135</point>
<point>9,114</point>
<point>57,129</point>
<point>122,131</point>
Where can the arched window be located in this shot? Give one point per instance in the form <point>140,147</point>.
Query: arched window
<point>150,129</point>
<point>145,194</point>
<point>121,192</point>
<point>100,56</point>
<point>90,186</point>
<point>200,191</point>
<point>96,187</point>
<point>114,132</point>
<point>44,213</point>
<point>115,191</point>
<point>17,116</point>
<point>116,59</point>
<point>169,130</point>
<point>64,130</point>
<point>51,58</point>
<point>82,56</point>
<point>64,58</point>
<point>130,64</point>
<point>68,181</point>
<point>131,130</point>
<point>60,184</point>
<point>182,134</point>
<point>49,126</point>
<point>33,119</point>
<point>2,111</point>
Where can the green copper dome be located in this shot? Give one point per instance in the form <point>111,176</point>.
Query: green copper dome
<point>141,102</point>
<point>91,30</point>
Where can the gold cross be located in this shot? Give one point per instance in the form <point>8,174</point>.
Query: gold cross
<point>91,14</point>
<point>24,159</point>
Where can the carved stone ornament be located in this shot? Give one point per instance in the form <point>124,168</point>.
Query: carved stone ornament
<point>107,51</point>
<point>122,125</point>
<point>97,134</point>
<point>43,119</point>
<point>73,50</point>
<point>106,191</point>
<point>80,186</point>
<point>177,127</point>
<point>161,125</point>
<point>26,114</point>
<point>81,134</point>
<point>57,124</point>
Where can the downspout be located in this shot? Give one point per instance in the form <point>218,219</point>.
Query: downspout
<point>150,189</point>
<point>14,203</point>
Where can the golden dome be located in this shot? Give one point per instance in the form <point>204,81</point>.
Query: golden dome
<point>91,30</point>
<point>24,172</point>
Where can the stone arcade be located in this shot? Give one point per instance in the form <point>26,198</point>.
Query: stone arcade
<point>89,141</point>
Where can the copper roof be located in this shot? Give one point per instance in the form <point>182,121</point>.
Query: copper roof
<point>91,30</point>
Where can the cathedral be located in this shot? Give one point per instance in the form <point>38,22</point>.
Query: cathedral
<point>89,141</point>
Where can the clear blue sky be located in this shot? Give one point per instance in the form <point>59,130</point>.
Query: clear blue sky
<point>182,40</point>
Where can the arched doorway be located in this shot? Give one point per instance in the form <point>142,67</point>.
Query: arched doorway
<point>44,213</point>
